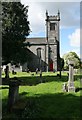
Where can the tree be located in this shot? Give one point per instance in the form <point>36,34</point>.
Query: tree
<point>15,28</point>
<point>71,56</point>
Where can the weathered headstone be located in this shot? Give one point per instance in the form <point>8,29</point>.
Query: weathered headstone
<point>36,70</point>
<point>7,72</point>
<point>65,87</point>
<point>13,93</point>
<point>41,76</point>
<point>71,77</point>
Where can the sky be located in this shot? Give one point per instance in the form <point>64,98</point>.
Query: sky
<point>69,23</point>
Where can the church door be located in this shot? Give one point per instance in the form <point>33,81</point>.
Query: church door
<point>51,65</point>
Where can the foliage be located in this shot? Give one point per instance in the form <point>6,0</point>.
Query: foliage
<point>15,27</point>
<point>81,64</point>
<point>71,56</point>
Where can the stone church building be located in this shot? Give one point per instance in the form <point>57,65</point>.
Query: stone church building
<point>45,52</point>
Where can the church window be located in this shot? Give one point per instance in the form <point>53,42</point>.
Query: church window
<point>52,26</point>
<point>39,52</point>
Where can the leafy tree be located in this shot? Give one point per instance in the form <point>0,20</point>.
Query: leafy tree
<point>71,56</point>
<point>15,28</point>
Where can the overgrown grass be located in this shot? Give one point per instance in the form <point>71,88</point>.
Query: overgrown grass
<point>44,100</point>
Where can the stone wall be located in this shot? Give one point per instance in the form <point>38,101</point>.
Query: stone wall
<point>34,63</point>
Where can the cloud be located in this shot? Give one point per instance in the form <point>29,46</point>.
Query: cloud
<point>68,11</point>
<point>25,1</point>
<point>75,38</point>
<point>70,15</point>
<point>36,17</point>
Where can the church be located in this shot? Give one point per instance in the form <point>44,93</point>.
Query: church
<point>45,52</point>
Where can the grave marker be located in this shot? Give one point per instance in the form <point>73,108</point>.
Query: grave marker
<point>13,93</point>
<point>7,72</point>
<point>71,77</point>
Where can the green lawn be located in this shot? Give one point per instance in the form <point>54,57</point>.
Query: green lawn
<point>46,99</point>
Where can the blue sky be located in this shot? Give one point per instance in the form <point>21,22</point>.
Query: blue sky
<point>69,24</point>
<point>65,46</point>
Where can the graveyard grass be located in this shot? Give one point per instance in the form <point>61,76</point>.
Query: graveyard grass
<point>43,100</point>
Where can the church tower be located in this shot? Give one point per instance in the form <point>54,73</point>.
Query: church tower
<point>53,42</point>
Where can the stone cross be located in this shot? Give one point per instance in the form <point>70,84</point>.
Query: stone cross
<point>71,77</point>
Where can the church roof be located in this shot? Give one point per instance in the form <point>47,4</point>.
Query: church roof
<point>38,40</point>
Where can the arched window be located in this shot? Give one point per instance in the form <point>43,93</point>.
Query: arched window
<point>39,52</point>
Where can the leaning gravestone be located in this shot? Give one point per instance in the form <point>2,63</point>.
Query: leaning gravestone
<point>71,87</point>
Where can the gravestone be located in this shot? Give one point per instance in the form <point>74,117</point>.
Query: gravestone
<point>7,72</point>
<point>41,76</point>
<point>71,87</point>
<point>65,87</point>
<point>13,93</point>
<point>36,70</point>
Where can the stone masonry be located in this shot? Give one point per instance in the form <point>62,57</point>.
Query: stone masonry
<point>50,47</point>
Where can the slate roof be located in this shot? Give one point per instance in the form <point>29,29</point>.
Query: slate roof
<point>36,40</point>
